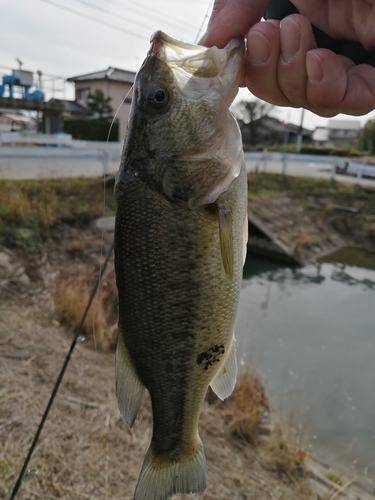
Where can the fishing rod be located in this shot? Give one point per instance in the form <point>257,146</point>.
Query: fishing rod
<point>61,375</point>
<point>74,342</point>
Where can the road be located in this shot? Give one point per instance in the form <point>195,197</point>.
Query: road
<point>44,162</point>
<point>31,168</point>
<point>35,162</point>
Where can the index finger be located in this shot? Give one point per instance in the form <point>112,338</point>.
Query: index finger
<point>231,18</point>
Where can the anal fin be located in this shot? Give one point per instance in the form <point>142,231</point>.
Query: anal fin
<point>129,387</point>
<point>225,379</point>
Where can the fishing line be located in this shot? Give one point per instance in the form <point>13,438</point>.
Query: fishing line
<point>60,377</point>
<point>107,141</point>
<point>104,193</point>
<point>204,20</point>
<point>118,109</point>
<point>83,318</point>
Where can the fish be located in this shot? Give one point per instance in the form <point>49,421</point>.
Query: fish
<point>180,244</point>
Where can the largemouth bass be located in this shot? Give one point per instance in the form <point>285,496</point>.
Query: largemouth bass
<point>180,243</point>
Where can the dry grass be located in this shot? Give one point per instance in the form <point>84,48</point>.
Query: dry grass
<point>72,295</point>
<point>30,208</point>
<point>247,410</point>
<point>284,453</point>
<point>306,241</point>
<point>86,450</point>
<point>19,204</point>
<point>304,212</point>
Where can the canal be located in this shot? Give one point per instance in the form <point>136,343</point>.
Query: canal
<point>311,334</point>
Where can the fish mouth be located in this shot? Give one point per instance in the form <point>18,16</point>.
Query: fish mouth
<point>197,60</point>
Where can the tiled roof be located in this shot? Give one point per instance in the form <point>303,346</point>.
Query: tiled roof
<point>119,75</point>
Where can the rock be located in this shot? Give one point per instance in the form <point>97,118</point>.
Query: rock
<point>105,223</point>
<point>11,269</point>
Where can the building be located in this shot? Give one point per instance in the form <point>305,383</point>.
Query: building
<point>337,133</point>
<point>15,120</point>
<point>114,83</point>
<point>269,131</point>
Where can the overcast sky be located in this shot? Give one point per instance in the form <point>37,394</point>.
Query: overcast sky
<point>67,41</point>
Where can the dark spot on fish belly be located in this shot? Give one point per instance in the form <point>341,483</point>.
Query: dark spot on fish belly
<point>211,356</point>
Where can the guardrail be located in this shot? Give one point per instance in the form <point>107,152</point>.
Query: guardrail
<point>13,138</point>
<point>361,169</point>
<point>54,155</point>
<point>335,164</point>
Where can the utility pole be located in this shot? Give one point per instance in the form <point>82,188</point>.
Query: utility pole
<point>299,136</point>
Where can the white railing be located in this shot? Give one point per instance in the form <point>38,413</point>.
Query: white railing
<point>310,165</point>
<point>14,138</point>
<point>25,155</point>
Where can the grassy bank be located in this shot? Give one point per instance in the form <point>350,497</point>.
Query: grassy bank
<point>313,216</point>
<point>30,209</point>
<point>266,185</point>
<point>53,218</point>
<point>86,450</point>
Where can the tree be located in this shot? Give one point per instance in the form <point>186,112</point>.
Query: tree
<point>99,104</point>
<point>250,115</point>
<point>366,139</point>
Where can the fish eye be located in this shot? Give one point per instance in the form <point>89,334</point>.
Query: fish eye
<point>158,96</point>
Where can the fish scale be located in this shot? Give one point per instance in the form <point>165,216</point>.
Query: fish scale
<point>179,233</point>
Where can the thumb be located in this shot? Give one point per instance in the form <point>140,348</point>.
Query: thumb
<point>231,18</point>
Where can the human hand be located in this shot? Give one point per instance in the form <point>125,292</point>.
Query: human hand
<point>283,64</point>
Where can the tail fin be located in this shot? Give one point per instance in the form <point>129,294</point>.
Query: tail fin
<point>161,481</point>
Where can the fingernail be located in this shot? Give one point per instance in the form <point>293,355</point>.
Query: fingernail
<point>258,48</point>
<point>290,39</point>
<point>314,67</point>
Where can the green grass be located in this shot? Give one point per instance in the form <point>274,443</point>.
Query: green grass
<point>263,185</point>
<point>30,208</point>
<point>333,477</point>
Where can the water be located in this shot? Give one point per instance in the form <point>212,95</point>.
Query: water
<point>311,332</point>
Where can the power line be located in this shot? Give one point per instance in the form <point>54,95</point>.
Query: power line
<point>83,2</point>
<point>113,26</point>
<point>175,21</point>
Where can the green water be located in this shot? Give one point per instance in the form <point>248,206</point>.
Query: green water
<point>311,332</point>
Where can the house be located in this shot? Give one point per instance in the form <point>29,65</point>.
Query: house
<point>337,133</point>
<point>269,131</point>
<point>114,83</point>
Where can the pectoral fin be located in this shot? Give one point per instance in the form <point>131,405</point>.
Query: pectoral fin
<point>129,387</point>
<point>245,237</point>
<point>226,240</point>
<point>225,379</point>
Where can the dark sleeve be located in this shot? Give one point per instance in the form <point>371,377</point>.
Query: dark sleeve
<point>278,9</point>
